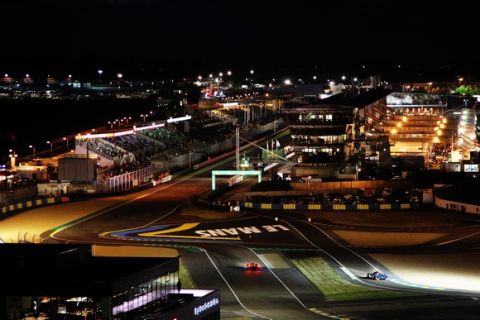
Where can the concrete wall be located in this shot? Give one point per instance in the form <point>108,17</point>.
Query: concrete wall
<point>456,206</point>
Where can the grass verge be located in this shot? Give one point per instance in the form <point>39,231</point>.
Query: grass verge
<point>333,286</point>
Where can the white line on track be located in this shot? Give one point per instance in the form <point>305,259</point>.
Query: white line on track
<point>279,280</point>
<point>122,204</point>
<point>348,249</point>
<point>341,265</point>
<point>283,284</point>
<point>457,239</point>
<point>230,287</point>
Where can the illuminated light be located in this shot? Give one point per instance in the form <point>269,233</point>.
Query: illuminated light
<point>229,73</point>
<point>270,166</point>
<point>332,83</point>
<point>442,126</point>
<point>152,126</point>
<point>464,111</point>
<point>210,75</point>
<point>439,132</point>
<point>69,75</point>
<point>252,71</point>
<point>187,117</point>
<point>343,77</point>
<point>288,156</point>
<point>444,120</point>
<point>404,119</point>
<point>230,104</point>
<point>436,140</point>
<point>27,75</point>
<point>399,124</point>
<point>462,123</point>
<point>314,77</point>
<point>6,75</point>
<point>464,117</point>
<point>460,141</point>
<point>435,129</point>
<point>220,74</point>
<point>438,122</point>
<point>394,131</point>
<point>100,72</point>
<point>199,77</point>
<point>355,79</point>
<point>287,82</point>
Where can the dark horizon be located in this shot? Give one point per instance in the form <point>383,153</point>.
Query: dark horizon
<point>183,37</point>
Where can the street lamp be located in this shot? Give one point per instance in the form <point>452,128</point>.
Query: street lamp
<point>13,157</point>
<point>33,150</point>
<point>65,139</point>
<point>51,147</point>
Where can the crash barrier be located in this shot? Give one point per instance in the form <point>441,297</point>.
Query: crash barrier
<point>11,208</point>
<point>329,207</point>
<point>457,206</point>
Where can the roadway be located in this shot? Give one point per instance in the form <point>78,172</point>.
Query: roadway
<point>229,240</point>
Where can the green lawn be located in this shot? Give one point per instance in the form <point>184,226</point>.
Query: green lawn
<point>185,277</point>
<point>333,286</point>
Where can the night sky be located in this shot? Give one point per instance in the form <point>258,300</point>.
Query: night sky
<point>200,35</point>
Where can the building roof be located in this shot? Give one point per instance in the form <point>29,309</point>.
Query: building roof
<point>354,99</point>
<point>71,270</point>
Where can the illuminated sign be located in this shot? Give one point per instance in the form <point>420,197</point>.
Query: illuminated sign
<point>215,173</point>
<point>470,168</point>
<point>127,132</point>
<point>206,306</point>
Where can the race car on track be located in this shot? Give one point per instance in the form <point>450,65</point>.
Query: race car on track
<point>377,275</point>
<point>252,266</point>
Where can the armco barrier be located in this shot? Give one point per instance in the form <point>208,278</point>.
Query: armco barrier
<point>329,207</point>
<point>30,204</point>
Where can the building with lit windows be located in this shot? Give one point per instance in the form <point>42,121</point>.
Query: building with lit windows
<point>338,138</point>
<point>97,282</point>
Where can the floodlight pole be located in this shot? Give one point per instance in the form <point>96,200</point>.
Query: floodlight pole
<point>237,149</point>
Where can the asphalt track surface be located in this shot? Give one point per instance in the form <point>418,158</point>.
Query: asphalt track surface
<point>150,217</point>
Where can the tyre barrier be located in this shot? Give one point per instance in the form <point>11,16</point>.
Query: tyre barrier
<point>11,208</point>
<point>329,207</point>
